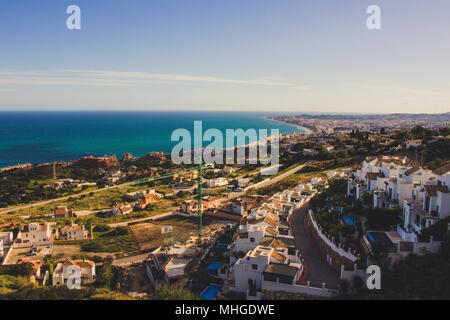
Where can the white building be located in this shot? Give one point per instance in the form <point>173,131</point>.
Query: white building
<point>85,268</point>
<point>122,208</point>
<point>35,233</point>
<point>253,236</point>
<point>6,237</point>
<point>423,195</point>
<point>310,152</point>
<point>73,232</point>
<point>413,143</point>
<point>218,182</point>
<point>250,268</point>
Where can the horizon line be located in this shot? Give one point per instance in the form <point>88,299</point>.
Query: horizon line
<point>223,111</point>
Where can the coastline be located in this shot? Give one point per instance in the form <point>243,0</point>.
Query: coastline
<point>89,143</point>
<point>308,131</point>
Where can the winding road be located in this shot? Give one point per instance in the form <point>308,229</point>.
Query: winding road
<point>318,270</point>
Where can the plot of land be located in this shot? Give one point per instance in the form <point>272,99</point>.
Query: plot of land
<point>60,252</point>
<point>22,253</point>
<point>148,235</point>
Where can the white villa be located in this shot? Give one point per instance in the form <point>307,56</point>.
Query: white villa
<point>73,232</point>
<point>35,233</point>
<point>85,268</point>
<point>219,182</point>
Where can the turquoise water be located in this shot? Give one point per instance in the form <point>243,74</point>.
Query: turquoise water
<point>211,292</point>
<point>40,137</point>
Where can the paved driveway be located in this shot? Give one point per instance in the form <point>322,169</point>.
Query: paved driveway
<point>318,269</point>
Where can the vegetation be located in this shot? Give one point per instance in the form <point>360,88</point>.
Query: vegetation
<point>23,270</point>
<point>116,240</point>
<point>439,231</point>
<point>415,277</point>
<point>174,292</point>
<point>20,288</point>
<point>26,186</point>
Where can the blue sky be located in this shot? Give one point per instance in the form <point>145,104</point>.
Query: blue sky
<point>262,55</point>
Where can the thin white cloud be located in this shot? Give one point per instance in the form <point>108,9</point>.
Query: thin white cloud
<point>404,90</point>
<point>125,78</point>
<point>303,88</point>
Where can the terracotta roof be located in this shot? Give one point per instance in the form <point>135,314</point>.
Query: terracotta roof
<point>79,263</point>
<point>270,221</point>
<point>281,269</point>
<point>36,264</point>
<point>271,231</point>
<point>278,244</point>
<point>432,190</point>
<point>442,170</point>
<point>273,216</point>
<point>72,227</point>
<point>278,256</point>
<point>411,171</point>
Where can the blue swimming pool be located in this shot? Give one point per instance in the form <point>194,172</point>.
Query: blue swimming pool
<point>213,269</point>
<point>211,292</point>
<point>349,219</point>
<point>373,236</point>
<point>215,266</point>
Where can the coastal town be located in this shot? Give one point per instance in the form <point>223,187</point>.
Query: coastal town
<point>144,228</point>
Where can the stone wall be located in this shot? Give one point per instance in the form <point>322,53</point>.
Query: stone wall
<point>283,295</point>
<point>329,253</point>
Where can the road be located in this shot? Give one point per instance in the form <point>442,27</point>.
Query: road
<point>230,196</point>
<point>123,185</point>
<point>318,270</point>
<point>37,204</point>
<point>283,175</point>
<point>156,217</point>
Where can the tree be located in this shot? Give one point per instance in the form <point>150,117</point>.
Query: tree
<point>106,274</point>
<point>380,250</point>
<point>23,269</point>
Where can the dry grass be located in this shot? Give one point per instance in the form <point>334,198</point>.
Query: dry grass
<point>148,235</point>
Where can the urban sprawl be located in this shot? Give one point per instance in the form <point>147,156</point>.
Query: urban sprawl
<point>351,192</point>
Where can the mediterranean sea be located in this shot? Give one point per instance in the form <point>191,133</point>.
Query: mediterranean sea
<point>47,136</point>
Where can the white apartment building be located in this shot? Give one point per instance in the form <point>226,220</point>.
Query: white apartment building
<point>252,237</point>
<point>35,233</point>
<point>250,268</point>
<point>423,195</point>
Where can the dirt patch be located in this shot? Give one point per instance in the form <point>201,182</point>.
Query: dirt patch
<point>134,279</point>
<point>148,235</point>
<point>18,254</point>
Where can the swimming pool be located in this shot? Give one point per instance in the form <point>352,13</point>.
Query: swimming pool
<point>373,236</point>
<point>211,292</point>
<point>213,269</point>
<point>349,220</point>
